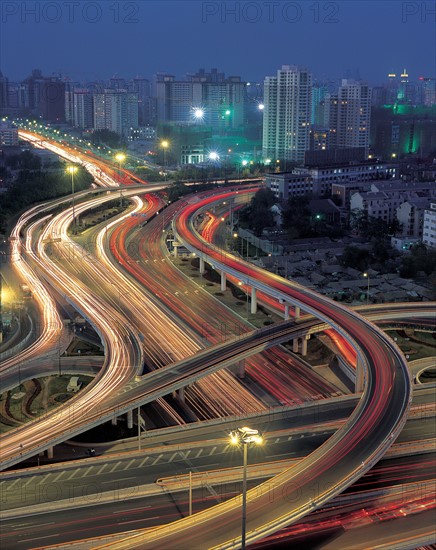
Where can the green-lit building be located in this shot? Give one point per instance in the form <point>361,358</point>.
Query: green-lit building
<point>399,130</point>
<point>187,143</point>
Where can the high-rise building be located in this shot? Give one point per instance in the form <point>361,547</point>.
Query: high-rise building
<point>117,83</point>
<point>30,91</point>
<point>207,98</point>
<point>141,86</point>
<point>115,111</point>
<point>331,119</point>
<point>392,88</point>
<point>14,95</point>
<point>131,120</point>
<point>427,91</point>
<point>429,226</point>
<point>69,101</point>
<point>319,93</point>
<point>51,105</point>
<point>8,134</point>
<point>407,90</point>
<point>83,109</point>
<point>43,96</point>
<point>287,113</point>
<point>353,115</point>
<point>4,92</point>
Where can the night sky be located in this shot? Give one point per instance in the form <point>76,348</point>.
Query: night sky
<point>94,40</point>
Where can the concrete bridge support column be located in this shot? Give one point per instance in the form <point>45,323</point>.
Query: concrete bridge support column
<point>181,394</point>
<point>359,376</point>
<point>295,345</point>
<point>130,419</point>
<point>176,249</point>
<point>253,300</point>
<point>223,281</point>
<point>50,452</point>
<point>114,421</point>
<point>241,368</point>
<point>202,269</point>
<point>286,312</point>
<point>304,344</point>
<point>297,313</point>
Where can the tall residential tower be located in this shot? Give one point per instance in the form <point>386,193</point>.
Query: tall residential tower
<point>354,114</point>
<point>287,114</point>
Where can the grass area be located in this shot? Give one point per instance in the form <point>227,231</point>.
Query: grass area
<point>428,376</point>
<point>98,215</point>
<point>33,398</point>
<point>414,344</point>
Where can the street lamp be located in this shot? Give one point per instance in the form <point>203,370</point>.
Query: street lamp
<point>120,157</point>
<point>245,436</point>
<point>240,283</point>
<point>214,156</point>
<point>198,113</point>
<point>165,144</point>
<point>72,170</point>
<point>366,274</point>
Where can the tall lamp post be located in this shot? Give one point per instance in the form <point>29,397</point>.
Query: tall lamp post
<point>120,157</point>
<point>72,170</point>
<point>214,157</point>
<point>366,274</point>
<point>165,144</point>
<point>244,437</point>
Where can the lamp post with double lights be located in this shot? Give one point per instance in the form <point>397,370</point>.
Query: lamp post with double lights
<point>72,170</point>
<point>245,436</point>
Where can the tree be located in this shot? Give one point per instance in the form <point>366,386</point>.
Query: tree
<point>379,252</point>
<point>33,186</point>
<point>258,215</point>
<point>359,220</point>
<point>420,259</point>
<point>357,258</point>
<point>107,137</point>
<point>177,190</point>
<point>297,217</point>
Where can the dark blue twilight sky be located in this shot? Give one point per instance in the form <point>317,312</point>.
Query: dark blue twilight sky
<point>91,40</point>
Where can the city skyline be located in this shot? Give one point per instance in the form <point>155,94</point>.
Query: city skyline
<point>369,39</point>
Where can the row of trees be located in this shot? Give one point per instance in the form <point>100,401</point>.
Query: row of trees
<point>370,227</point>
<point>420,259</point>
<point>297,219</point>
<point>32,185</point>
<point>107,138</point>
<point>379,255</point>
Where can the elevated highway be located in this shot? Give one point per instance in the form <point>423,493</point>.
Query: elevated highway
<point>354,448</point>
<point>364,438</point>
